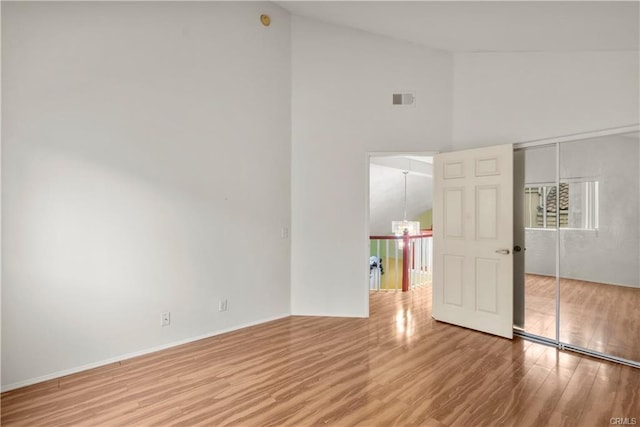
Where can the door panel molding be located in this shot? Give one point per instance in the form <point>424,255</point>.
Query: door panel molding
<point>473,239</point>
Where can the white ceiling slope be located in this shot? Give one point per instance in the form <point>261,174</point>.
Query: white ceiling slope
<point>488,26</point>
<point>386,197</point>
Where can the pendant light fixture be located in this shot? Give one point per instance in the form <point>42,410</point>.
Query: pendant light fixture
<point>398,227</point>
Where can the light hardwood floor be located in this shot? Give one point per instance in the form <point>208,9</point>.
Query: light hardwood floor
<point>600,317</point>
<point>399,367</point>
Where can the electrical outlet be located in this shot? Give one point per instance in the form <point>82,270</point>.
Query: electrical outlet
<point>284,233</point>
<point>222,305</point>
<point>166,319</point>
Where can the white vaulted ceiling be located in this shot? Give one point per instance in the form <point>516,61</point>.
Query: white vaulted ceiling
<point>485,26</point>
<point>386,191</point>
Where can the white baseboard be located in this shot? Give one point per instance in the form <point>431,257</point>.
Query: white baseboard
<point>134,354</point>
<point>345,315</point>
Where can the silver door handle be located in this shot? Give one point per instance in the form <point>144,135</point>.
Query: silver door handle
<point>503,251</point>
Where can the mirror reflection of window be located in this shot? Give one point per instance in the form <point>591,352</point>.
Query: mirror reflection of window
<point>576,207</point>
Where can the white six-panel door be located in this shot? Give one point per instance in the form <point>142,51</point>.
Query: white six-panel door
<point>473,239</point>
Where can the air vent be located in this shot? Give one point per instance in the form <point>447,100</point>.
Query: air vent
<point>404,98</point>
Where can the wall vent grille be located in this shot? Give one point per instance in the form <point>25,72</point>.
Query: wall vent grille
<point>404,98</point>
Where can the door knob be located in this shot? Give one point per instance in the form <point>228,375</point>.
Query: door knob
<point>503,251</point>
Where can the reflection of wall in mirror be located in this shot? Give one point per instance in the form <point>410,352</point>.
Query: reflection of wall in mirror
<point>612,254</point>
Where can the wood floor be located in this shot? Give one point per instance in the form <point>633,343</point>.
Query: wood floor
<point>399,367</point>
<point>600,317</point>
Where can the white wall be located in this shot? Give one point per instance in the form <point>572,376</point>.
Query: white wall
<point>341,110</point>
<point>145,168</point>
<point>512,97</point>
<point>612,254</point>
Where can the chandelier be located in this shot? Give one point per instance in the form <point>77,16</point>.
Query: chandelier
<point>399,227</point>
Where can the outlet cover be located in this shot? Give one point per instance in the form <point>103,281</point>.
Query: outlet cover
<point>166,319</point>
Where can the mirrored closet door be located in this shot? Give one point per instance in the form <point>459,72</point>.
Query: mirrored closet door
<point>582,237</point>
<point>599,205</point>
<point>540,241</point>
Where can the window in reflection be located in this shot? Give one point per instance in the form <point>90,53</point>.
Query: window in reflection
<point>575,207</point>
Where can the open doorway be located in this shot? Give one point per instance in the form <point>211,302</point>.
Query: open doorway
<point>400,194</point>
